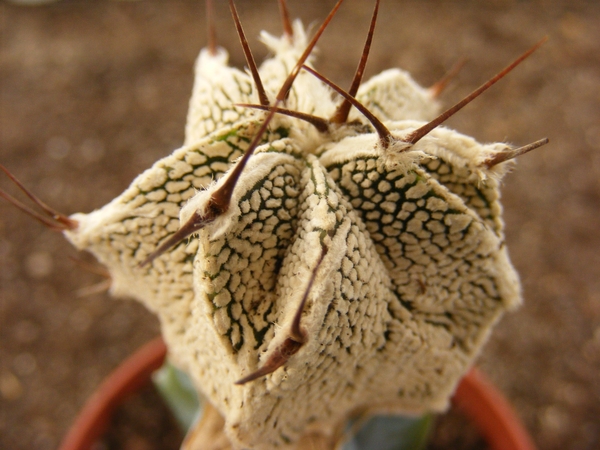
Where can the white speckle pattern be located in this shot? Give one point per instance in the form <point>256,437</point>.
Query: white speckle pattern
<point>415,275</point>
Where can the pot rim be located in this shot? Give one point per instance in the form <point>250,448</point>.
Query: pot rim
<point>475,396</point>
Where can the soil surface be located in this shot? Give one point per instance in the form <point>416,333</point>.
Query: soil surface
<point>93,92</point>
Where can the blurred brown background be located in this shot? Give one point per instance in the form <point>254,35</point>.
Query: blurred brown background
<point>93,92</point>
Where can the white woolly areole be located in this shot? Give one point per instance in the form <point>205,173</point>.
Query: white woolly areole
<point>394,95</point>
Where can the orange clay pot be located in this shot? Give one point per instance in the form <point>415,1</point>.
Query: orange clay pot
<point>475,397</point>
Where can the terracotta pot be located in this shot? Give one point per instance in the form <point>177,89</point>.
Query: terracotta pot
<point>132,375</point>
<point>475,397</point>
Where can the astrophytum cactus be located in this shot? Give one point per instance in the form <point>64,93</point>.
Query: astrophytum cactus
<point>331,253</point>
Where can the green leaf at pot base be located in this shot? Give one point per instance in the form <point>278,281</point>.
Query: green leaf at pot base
<point>177,390</point>
<point>392,433</point>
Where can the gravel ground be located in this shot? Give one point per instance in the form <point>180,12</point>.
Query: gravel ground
<point>93,92</point>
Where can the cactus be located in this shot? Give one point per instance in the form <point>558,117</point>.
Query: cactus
<point>314,255</point>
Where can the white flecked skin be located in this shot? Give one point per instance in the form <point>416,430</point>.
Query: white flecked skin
<point>415,276</point>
